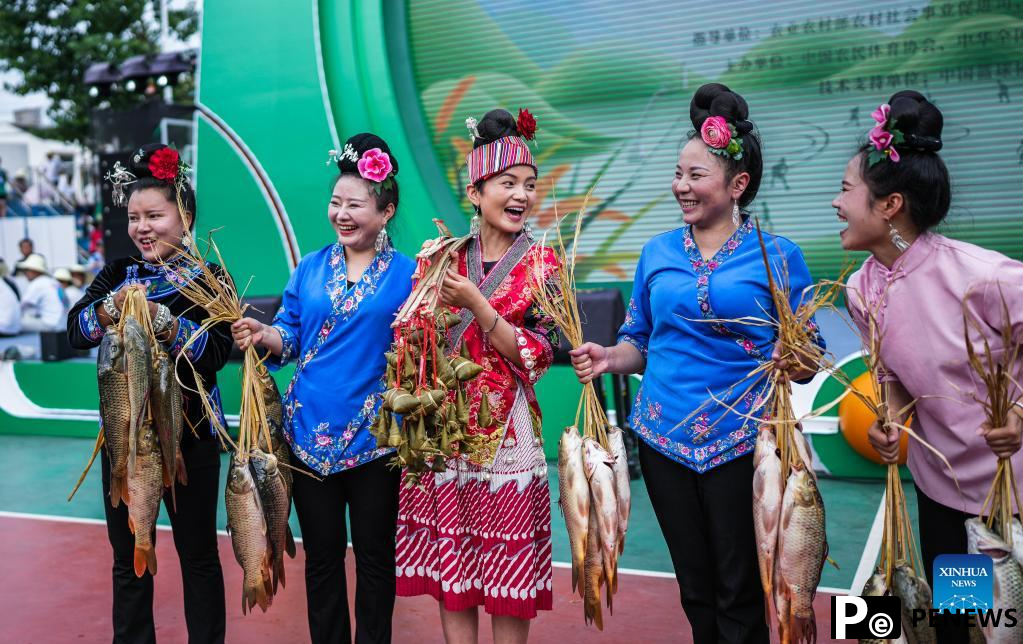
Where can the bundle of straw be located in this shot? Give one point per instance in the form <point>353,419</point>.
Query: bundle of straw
<point>999,370</point>
<point>556,298</point>
<point>596,457</point>
<point>215,292</point>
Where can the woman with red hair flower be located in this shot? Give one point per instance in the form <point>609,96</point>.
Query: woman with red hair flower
<point>154,187</point>
<point>479,533</point>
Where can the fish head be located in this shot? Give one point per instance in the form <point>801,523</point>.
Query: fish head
<point>766,445</point>
<point>111,351</point>
<point>805,491</point>
<point>982,540</point>
<point>271,394</point>
<point>270,464</point>
<point>875,586</point>
<point>239,479</point>
<point>570,438</point>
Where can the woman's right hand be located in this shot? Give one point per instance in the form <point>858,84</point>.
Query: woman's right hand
<point>248,332</point>
<point>590,360</point>
<point>885,442</point>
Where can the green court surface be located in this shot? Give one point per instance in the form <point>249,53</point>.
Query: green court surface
<point>39,472</point>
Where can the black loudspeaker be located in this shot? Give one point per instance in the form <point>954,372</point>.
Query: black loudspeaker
<point>55,346</point>
<point>116,242</point>
<point>262,308</point>
<point>603,313</point>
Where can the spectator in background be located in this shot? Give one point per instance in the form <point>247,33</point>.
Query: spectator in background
<point>10,306</point>
<point>42,306</point>
<point>3,190</point>
<point>95,235</point>
<point>20,185</point>
<point>71,292</point>
<point>79,277</point>
<point>54,165</point>
<point>96,260</point>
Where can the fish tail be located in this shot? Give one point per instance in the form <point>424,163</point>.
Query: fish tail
<point>621,543</point>
<point>145,559</point>
<point>118,490</point>
<point>174,495</point>
<point>804,630</point>
<point>179,462</point>
<point>289,546</point>
<point>575,578</point>
<point>279,574</point>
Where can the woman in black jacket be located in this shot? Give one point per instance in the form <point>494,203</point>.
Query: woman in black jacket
<point>154,182</point>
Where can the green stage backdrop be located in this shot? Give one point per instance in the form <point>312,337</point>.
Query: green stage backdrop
<point>609,82</point>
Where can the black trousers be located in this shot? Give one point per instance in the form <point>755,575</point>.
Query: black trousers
<point>942,532</point>
<point>370,492</point>
<point>707,521</point>
<point>195,538</point>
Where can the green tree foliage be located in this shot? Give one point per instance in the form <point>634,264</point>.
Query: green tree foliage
<point>51,43</point>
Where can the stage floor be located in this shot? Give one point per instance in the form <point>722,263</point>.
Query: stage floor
<point>57,565</point>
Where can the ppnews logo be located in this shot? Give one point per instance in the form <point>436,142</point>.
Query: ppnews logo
<point>865,618</point>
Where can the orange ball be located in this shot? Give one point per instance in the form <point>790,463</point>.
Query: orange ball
<point>855,418</point>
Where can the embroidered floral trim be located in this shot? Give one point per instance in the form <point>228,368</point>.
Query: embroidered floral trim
<point>218,409</point>
<point>712,450</point>
<point>186,329</point>
<point>630,317</point>
<point>704,269</point>
<point>289,344</point>
<point>88,322</point>
<point>328,445</point>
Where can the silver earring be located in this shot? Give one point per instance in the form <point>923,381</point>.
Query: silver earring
<point>381,241</point>
<point>736,219</point>
<point>474,225</point>
<point>527,229</point>
<point>897,239</point>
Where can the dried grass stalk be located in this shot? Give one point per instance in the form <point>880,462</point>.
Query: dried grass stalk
<point>999,371</point>
<point>556,297</point>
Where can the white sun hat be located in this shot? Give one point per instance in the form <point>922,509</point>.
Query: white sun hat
<point>33,262</point>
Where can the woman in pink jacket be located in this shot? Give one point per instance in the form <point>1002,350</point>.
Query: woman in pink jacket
<point>895,190</point>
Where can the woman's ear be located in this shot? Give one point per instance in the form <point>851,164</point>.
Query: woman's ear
<point>738,185</point>
<point>473,194</point>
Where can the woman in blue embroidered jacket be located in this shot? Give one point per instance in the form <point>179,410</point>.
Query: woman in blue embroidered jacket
<point>335,321</point>
<point>156,227</point>
<point>699,474</point>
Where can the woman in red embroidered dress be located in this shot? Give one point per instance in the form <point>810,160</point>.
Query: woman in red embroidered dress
<point>479,534</point>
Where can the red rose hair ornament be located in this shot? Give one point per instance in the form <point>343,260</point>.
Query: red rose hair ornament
<point>526,124</point>
<point>164,164</point>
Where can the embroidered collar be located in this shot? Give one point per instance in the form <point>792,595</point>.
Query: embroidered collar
<point>177,262</point>
<point>731,244</point>
<point>345,299</point>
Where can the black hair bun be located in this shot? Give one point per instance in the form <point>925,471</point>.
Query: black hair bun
<point>919,120</point>
<point>715,99</point>
<point>138,164</point>
<point>495,124</point>
<point>361,143</point>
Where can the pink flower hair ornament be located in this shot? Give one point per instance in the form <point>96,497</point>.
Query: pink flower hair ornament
<point>374,165</point>
<point>884,137</point>
<point>721,137</point>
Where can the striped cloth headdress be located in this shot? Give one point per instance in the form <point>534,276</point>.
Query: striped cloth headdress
<point>491,158</point>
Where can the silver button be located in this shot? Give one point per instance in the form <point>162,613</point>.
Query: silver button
<point>522,341</point>
<point>530,364</point>
<point>509,442</point>
<point>509,460</point>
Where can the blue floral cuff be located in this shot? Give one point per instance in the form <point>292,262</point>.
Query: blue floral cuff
<point>88,321</point>
<point>289,347</point>
<point>634,341</point>
<point>187,329</point>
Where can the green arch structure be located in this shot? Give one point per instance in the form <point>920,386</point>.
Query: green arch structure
<point>271,107</point>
